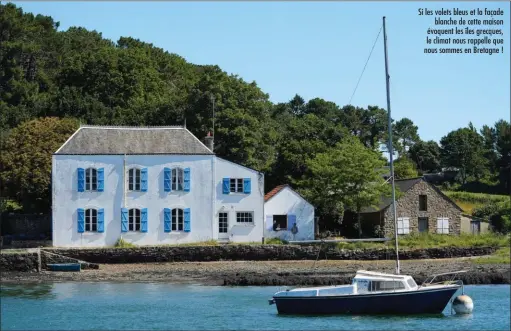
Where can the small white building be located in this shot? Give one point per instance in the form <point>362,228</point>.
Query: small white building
<point>150,186</point>
<point>288,215</point>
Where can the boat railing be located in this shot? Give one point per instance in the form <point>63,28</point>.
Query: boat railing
<point>430,280</point>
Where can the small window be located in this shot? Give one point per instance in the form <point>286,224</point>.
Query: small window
<point>236,185</point>
<point>91,220</point>
<point>134,179</point>
<point>223,222</point>
<point>177,179</point>
<point>91,179</point>
<point>411,282</point>
<point>442,225</point>
<point>279,222</point>
<point>386,285</point>
<point>177,219</point>
<point>403,225</point>
<point>423,202</point>
<point>134,220</point>
<point>244,217</point>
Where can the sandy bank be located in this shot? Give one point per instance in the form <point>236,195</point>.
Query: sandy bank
<point>267,272</point>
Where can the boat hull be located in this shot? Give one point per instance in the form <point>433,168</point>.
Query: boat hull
<point>64,267</point>
<point>423,301</point>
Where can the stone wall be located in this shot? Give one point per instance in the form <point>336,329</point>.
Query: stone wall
<point>256,253</point>
<point>26,226</point>
<point>437,206</point>
<point>18,262</point>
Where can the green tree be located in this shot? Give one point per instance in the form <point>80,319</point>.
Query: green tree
<point>463,149</point>
<point>26,159</point>
<point>503,151</point>
<point>406,133</point>
<point>426,155</point>
<point>347,176</point>
<point>404,168</point>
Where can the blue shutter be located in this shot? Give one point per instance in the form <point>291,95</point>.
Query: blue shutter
<point>101,179</point>
<point>124,220</point>
<point>143,180</point>
<point>81,179</point>
<point>226,187</point>
<point>187,219</point>
<point>143,220</point>
<point>186,180</point>
<point>167,175</point>
<point>291,220</point>
<point>81,219</point>
<point>246,185</point>
<point>101,220</point>
<point>167,220</point>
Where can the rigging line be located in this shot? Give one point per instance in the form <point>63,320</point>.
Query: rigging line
<point>363,70</point>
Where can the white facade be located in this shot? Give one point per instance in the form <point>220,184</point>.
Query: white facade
<point>287,208</point>
<point>159,212</point>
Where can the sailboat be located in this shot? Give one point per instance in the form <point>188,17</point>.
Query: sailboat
<point>375,292</point>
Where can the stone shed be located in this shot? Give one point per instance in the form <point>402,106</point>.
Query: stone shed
<point>421,207</point>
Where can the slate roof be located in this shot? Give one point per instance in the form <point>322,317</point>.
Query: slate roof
<point>403,184</point>
<point>113,140</point>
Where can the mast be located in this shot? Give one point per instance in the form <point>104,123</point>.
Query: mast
<point>391,149</point>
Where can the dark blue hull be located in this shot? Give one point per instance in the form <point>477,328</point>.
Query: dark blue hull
<point>424,301</point>
<point>64,267</point>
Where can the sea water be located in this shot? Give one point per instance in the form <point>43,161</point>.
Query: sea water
<point>159,306</point>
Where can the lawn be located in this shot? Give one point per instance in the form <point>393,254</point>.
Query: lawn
<point>469,201</point>
<point>501,256</point>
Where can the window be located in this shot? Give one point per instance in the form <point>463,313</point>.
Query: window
<point>244,217</point>
<point>91,219</point>
<point>177,179</point>
<point>423,202</point>
<point>91,179</point>
<point>134,220</point>
<point>177,219</point>
<point>403,225</point>
<point>236,185</point>
<point>442,225</point>
<point>386,285</point>
<point>223,222</point>
<point>279,222</point>
<point>411,282</point>
<point>134,179</point>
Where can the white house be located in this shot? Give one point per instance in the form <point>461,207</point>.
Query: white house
<point>150,185</point>
<point>288,215</point>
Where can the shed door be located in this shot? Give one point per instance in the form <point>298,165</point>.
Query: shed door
<point>476,227</point>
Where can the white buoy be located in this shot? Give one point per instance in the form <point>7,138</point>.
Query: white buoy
<point>463,304</point>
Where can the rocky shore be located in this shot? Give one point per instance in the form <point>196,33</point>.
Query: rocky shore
<point>282,273</point>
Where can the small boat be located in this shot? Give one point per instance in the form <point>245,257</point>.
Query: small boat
<point>374,292</point>
<point>65,267</point>
<point>370,293</point>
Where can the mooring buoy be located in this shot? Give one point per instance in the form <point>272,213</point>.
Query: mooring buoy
<point>463,304</point>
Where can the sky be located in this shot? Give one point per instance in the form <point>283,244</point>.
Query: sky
<point>319,49</point>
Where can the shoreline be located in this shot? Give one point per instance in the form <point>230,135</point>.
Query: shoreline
<point>265,273</point>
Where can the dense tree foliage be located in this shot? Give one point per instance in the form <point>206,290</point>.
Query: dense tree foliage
<point>79,74</point>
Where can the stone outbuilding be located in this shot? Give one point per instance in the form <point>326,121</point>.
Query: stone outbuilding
<point>421,207</point>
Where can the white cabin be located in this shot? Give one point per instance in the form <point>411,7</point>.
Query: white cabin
<point>150,186</point>
<point>288,215</point>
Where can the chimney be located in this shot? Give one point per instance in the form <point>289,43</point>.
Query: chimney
<point>209,140</point>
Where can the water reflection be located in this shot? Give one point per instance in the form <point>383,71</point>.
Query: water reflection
<point>27,291</point>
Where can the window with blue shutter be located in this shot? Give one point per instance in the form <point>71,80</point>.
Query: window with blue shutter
<point>81,179</point>
<point>166,180</point>
<point>225,186</point>
<point>101,220</point>
<point>143,180</point>
<point>187,220</point>
<point>101,179</point>
<point>186,179</point>
<point>143,220</point>
<point>246,185</point>
<point>124,220</point>
<point>81,220</point>
<point>291,221</point>
<point>167,227</point>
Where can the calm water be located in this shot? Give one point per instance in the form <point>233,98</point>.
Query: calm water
<point>152,306</point>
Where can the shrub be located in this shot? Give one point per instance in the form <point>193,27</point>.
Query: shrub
<point>121,243</point>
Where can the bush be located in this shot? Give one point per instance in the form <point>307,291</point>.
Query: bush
<point>275,241</point>
<point>121,243</point>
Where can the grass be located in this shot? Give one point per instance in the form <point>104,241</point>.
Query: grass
<point>121,243</point>
<point>501,256</point>
<point>429,240</point>
<point>469,201</point>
